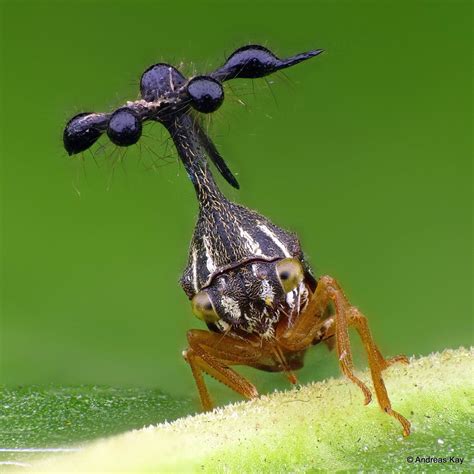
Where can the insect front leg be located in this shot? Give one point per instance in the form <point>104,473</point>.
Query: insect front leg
<point>347,315</point>
<point>213,353</point>
<point>310,327</point>
<point>376,364</point>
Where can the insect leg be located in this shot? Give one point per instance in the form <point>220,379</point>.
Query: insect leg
<point>384,363</point>
<point>311,327</point>
<point>331,290</point>
<point>348,315</point>
<point>194,362</point>
<point>213,353</point>
<point>359,321</point>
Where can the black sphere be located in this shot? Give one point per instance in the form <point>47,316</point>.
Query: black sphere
<point>206,94</point>
<point>82,131</point>
<point>251,62</point>
<point>159,80</point>
<point>125,127</point>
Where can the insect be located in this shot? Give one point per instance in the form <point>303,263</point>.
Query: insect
<point>247,279</point>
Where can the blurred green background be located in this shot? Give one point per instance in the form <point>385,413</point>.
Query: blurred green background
<point>364,151</point>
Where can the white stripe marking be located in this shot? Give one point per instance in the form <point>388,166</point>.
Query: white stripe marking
<point>251,245</point>
<point>275,239</point>
<point>195,282</point>
<point>211,266</point>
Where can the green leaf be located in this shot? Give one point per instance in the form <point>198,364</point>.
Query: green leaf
<point>52,417</point>
<point>322,426</point>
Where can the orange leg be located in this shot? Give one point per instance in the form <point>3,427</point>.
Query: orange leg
<point>347,315</point>
<point>213,353</point>
<point>384,363</point>
<point>310,327</point>
<point>359,321</point>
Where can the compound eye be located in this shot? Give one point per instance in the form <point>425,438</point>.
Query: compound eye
<point>125,127</point>
<point>82,131</point>
<point>159,80</point>
<point>290,273</point>
<point>206,94</point>
<point>203,308</point>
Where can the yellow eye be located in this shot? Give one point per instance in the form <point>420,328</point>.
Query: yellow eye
<point>290,272</point>
<point>203,308</point>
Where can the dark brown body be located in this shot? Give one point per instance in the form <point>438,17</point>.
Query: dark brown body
<point>233,261</point>
<point>247,278</point>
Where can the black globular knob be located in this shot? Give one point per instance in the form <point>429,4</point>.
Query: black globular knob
<point>250,62</point>
<point>82,131</point>
<point>159,80</point>
<point>125,127</point>
<point>206,94</point>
